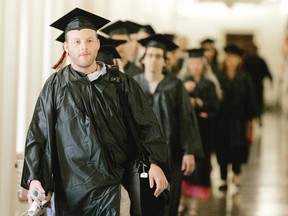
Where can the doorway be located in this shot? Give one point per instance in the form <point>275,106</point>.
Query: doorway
<point>241,40</point>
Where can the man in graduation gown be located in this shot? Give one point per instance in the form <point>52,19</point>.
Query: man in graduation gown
<point>258,70</point>
<point>170,102</point>
<point>77,143</point>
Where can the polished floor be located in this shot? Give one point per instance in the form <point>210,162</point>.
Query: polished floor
<point>264,180</point>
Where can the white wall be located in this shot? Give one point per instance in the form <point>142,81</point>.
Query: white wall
<point>196,21</point>
<point>28,49</point>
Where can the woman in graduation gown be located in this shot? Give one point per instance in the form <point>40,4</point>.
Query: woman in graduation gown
<point>204,99</point>
<point>170,102</point>
<point>236,113</point>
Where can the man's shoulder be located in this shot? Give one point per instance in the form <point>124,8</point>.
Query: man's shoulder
<point>206,82</point>
<point>139,76</point>
<point>57,78</point>
<point>172,79</point>
<point>132,69</point>
<point>117,76</point>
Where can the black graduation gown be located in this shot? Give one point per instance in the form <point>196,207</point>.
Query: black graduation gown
<point>205,90</point>
<point>132,69</point>
<point>172,107</point>
<point>77,141</point>
<point>236,109</point>
<point>257,68</point>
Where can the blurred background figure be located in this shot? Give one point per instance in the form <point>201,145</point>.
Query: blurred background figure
<point>121,30</point>
<point>171,105</point>
<point>144,31</point>
<point>213,70</point>
<point>211,54</point>
<point>205,102</point>
<point>258,70</point>
<point>108,54</point>
<point>237,110</point>
<point>176,58</point>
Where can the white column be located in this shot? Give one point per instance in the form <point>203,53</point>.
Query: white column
<point>8,94</point>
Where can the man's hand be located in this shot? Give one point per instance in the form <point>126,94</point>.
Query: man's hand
<point>35,185</point>
<point>190,86</point>
<point>188,164</point>
<point>156,174</point>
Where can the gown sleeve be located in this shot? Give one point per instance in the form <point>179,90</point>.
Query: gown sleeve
<point>190,135</point>
<point>146,123</point>
<point>40,138</point>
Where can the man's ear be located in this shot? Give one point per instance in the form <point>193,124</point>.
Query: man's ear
<point>65,46</point>
<point>98,44</point>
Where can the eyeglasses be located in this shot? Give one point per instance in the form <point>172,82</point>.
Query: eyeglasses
<point>157,56</point>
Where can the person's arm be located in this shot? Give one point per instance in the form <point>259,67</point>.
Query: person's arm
<point>146,124</point>
<point>157,177</point>
<point>149,134</point>
<point>188,125</point>
<point>37,161</point>
<point>188,164</point>
<point>186,128</point>
<point>34,185</point>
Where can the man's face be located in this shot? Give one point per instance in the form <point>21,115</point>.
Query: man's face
<point>154,60</point>
<point>209,52</point>
<point>123,49</point>
<point>82,47</point>
<point>232,61</point>
<point>171,59</point>
<point>195,66</point>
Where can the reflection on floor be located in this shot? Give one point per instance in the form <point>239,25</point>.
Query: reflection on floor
<point>264,180</point>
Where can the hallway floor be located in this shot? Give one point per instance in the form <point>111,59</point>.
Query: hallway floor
<point>264,180</point>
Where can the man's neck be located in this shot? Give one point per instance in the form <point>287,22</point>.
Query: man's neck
<point>153,77</point>
<point>124,61</point>
<point>91,69</point>
<point>197,78</point>
<point>231,74</point>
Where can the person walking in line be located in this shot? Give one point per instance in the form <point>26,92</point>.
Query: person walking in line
<point>78,142</point>
<point>170,102</point>
<point>203,97</point>
<point>236,114</point>
<point>258,70</point>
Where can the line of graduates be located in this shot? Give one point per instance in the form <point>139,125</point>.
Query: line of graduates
<point>222,100</point>
<point>199,107</point>
<point>171,104</point>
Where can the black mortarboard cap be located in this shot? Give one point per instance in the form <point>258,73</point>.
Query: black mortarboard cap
<point>112,42</point>
<point>148,29</point>
<point>61,38</point>
<point>207,40</point>
<point>133,25</point>
<point>110,49</point>
<point>78,19</point>
<point>103,40</point>
<point>107,54</point>
<point>170,36</point>
<point>233,49</point>
<point>120,27</point>
<point>159,41</point>
<point>196,53</point>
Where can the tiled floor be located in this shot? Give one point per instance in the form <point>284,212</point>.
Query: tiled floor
<point>264,181</point>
